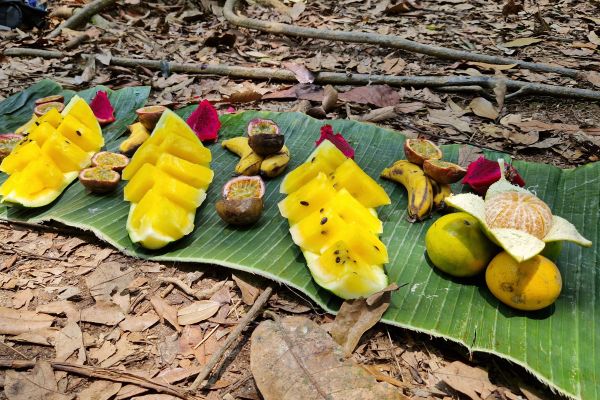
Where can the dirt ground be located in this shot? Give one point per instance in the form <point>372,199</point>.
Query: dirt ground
<point>63,272</point>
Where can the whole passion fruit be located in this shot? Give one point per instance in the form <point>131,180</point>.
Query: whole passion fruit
<point>99,180</point>
<point>242,202</point>
<point>443,171</point>
<point>8,141</point>
<point>150,115</point>
<point>419,150</point>
<point>264,137</point>
<point>59,98</point>
<point>43,108</point>
<point>115,161</point>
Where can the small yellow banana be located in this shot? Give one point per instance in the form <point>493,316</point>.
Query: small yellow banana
<point>274,164</point>
<point>418,186</point>
<point>250,162</point>
<point>139,134</point>
<point>440,192</point>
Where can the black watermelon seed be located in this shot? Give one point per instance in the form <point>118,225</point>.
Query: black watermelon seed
<point>337,260</point>
<point>324,221</point>
<point>304,203</point>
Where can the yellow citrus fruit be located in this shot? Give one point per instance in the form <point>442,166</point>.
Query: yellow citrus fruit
<point>531,285</point>
<point>456,244</point>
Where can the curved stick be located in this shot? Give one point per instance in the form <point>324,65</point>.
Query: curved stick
<point>387,41</point>
<point>81,16</point>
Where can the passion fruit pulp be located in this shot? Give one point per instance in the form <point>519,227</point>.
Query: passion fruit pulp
<point>106,159</point>
<point>8,141</point>
<point>43,108</point>
<point>419,150</point>
<point>443,171</point>
<point>149,116</point>
<point>264,137</point>
<point>50,99</point>
<point>242,202</point>
<point>99,180</point>
<point>244,187</point>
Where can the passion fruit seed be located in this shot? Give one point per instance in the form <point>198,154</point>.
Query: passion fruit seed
<point>50,99</point>
<point>99,180</point>
<point>264,137</point>
<point>8,141</point>
<point>419,150</point>
<point>106,159</point>
<point>240,212</point>
<point>149,116</point>
<point>43,108</point>
<point>244,187</point>
<point>443,171</point>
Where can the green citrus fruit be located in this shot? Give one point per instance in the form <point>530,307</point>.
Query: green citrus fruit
<point>456,245</point>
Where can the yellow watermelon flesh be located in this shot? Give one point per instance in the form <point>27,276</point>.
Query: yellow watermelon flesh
<point>47,161</point>
<point>335,224</point>
<point>168,178</point>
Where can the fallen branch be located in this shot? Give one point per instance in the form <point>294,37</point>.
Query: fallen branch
<point>387,41</point>
<point>81,16</point>
<point>103,373</point>
<point>335,78</point>
<point>258,304</point>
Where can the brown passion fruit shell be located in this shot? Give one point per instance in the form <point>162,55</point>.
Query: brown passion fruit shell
<point>99,180</point>
<point>59,98</point>
<point>43,108</point>
<point>8,141</point>
<point>443,171</point>
<point>419,150</point>
<point>240,212</point>
<point>106,159</point>
<point>264,137</point>
<point>244,187</point>
<point>150,115</point>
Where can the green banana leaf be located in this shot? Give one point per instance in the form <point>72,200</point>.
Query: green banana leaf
<point>559,345</point>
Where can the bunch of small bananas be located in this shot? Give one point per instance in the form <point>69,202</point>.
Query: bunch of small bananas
<point>252,164</point>
<point>426,178</point>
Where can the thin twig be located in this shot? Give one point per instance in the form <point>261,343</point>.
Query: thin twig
<point>386,41</point>
<point>231,338</point>
<point>81,16</point>
<point>103,373</point>
<point>335,78</point>
<point>29,254</point>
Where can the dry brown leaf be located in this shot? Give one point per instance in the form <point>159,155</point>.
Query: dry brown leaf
<point>377,95</point>
<point>43,337</point>
<point>190,337</point>
<point>510,119</point>
<point>124,350</point>
<point>521,42</point>
<point>483,108</point>
<point>249,291</point>
<point>108,279</point>
<point>106,350</point>
<point>540,126</point>
<point>301,91</point>
<point>447,117</point>
<point>62,307</point>
<point>403,6</point>
<point>393,66</point>
<point>296,359</point>
<point>330,98</point>
<point>468,154</point>
<point>138,323</point>
<point>358,316</point>
<point>197,311</point>
<point>68,340</point>
<point>165,311</point>
<point>473,382</point>
<point>99,390</point>
<point>593,38</point>
<point>244,96</point>
<point>167,348</point>
<point>409,108</point>
<point>13,322</point>
<point>39,384</point>
<point>379,114</point>
<point>22,298</point>
<point>493,67</point>
<point>303,75</point>
<point>528,138</point>
<point>500,93</point>
<point>104,312</point>
<point>592,76</point>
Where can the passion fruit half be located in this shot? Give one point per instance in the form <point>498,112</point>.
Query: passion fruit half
<point>8,141</point>
<point>264,137</point>
<point>242,202</point>
<point>419,150</point>
<point>43,108</point>
<point>99,180</point>
<point>150,115</point>
<point>244,187</point>
<point>106,159</point>
<point>443,171</point>
<point>59,98</point>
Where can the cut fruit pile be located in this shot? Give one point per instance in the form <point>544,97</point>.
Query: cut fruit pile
<point>56,147</point>
<point>330,208</point>
<point>168,178</point>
